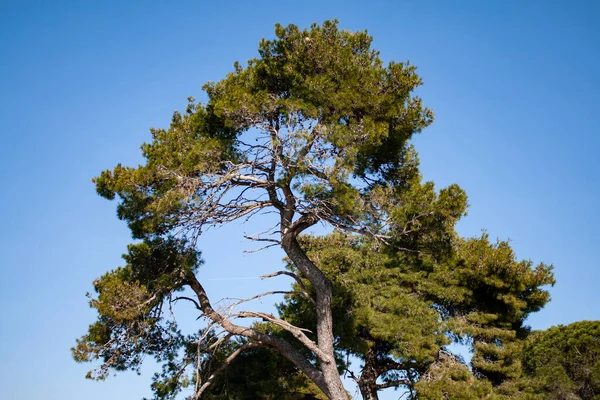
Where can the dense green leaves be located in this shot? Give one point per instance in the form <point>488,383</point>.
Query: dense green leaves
<point>406,304</point>
<point>563,362</point>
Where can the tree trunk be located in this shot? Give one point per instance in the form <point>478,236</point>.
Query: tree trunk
<point>323,290</point>
<point>368,392</point>
<point>368,377</point>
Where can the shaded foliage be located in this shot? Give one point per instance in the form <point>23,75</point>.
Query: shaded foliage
<point>263,374</point>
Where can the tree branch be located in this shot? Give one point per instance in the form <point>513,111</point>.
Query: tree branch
<point>188,299</point>
<point>394,383</point>
<point>298,280</point>
<point>279,344</point>
<point>297,332</point>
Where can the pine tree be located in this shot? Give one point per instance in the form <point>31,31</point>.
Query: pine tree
<point>314,129</point>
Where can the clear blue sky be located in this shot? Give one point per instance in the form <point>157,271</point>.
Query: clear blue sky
<point>514,86</point>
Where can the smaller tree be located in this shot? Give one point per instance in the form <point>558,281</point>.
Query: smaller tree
<point>563,362</point>
<point>396,307</point>
<point>496,293</point>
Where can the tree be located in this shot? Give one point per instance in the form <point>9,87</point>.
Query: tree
<point>314,129</point>
<point>396,310</point>
<point>380,312</point>
<point>563,362</point>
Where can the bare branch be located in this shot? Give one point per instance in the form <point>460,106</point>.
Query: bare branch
<point>298,280</point>
<point>352,375</point>
<point>281,345</point>
<point>304,222</point>
<point>258,296</point>
<point>261,248</point>
<point>297,332</point>
<point>259,239</point>
<point>176,299</point>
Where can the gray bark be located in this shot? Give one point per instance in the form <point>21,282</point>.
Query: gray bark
<point>323,289</point>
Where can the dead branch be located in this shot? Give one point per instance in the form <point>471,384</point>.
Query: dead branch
<point>298,280</point>
<point>297,332</point>
<point>281,345</point>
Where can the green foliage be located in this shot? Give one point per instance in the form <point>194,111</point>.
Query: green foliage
<point>339,114</point>
<point>369,304</point>
<point>563,362</point>
<point>449,378</point>
<point>494,295</point>
<point>334,77</point>
<point>408,303</point>
<point>130,305</point>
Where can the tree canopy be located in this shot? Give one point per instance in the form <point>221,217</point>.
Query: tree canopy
<point>316,129</point>
<point>563,362</point>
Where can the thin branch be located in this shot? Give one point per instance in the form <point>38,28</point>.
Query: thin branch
<point>352,375</point>
<point>188,299</point>
<point>258,296</point>
<point>259,239</point>
<point>261,248</point>
<point>394,383</point>
<point>298,280</point>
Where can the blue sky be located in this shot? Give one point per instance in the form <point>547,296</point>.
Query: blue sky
<point>514,86</point>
